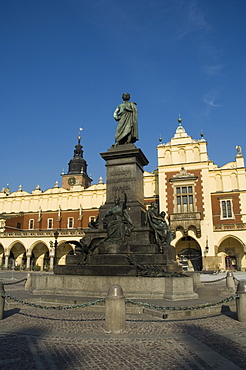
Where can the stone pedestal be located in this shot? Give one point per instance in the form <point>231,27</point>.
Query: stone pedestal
<point>179,288</point>
<point>125,174</point>
<point>98,286</point>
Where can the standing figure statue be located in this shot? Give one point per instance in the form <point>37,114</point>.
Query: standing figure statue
<point>126,114</point>
<point>158,224</point>
<point>117,222</point>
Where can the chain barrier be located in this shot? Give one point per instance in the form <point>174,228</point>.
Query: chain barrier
<point>141,304</point>
<point>188,308</point>
<point>214,281</point>
<point>234,277</point>
<point>16,282</point>
<point>66,307</point>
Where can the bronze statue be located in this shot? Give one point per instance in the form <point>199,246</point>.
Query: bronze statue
<point>158,224</point>
<point>117,222</point>
<point>126,114</point>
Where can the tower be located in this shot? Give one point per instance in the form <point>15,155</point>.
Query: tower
<point>77,169</point>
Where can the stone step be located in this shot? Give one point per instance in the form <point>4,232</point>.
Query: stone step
<point>121,259</point>
<point>96,270</point>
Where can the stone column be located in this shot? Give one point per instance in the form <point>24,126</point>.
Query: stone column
<point>51,263</point>
<point>230,280</point>
<point>6,261</point>
<point>28,283</point>
<point>241,301</point>
<point>28,259</point>
<point>2,301</point>
<point>115,309</point>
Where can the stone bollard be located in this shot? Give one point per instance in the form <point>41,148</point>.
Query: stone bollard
<point>241,301</point>
<point>2,300</point>
<point>28,283</point>
<point>115,309</point>
<point>230,280</point>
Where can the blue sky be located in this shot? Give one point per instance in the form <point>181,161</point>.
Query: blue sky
<point>64,64</point>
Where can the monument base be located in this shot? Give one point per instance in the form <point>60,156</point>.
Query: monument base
<point>175,288</point>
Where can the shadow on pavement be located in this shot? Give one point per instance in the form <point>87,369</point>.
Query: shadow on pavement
<point>10,312</point>
<point>218,343</point>
<point>30,348</point>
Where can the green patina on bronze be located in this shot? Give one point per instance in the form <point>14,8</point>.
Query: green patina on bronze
<point>126,114</point>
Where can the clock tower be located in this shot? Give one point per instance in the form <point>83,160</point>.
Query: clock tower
<point>77,169</point>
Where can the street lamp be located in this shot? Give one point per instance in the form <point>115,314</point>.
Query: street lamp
<point>56,234</point>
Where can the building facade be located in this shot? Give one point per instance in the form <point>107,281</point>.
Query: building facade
<point>205,203</point>
<point>205,206</point>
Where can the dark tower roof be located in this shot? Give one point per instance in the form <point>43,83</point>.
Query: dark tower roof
<point>77,164</point>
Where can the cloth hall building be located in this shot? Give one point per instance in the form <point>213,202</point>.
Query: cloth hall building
<point>205,207</point>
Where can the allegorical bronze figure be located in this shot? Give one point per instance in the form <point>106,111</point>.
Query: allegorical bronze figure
<point>117,222</point>
<point>158,224</point>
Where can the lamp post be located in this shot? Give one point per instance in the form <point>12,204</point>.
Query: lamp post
<point>205,253</point>
<point>56,234</point>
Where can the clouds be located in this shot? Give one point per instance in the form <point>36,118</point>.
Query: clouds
<point>213,70</point>
<point>193,19</point>
<point>210,99</point>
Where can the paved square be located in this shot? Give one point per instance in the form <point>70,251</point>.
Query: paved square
<point>74,339</point>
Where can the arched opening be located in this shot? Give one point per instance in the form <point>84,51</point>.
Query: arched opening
<point>40,257</point>
<point>16,256</point>
<point>231,253</point>
<point>47,261</point>
<point>23,265</point>
<point>32,262</point>
<point>61,252</point>
<point>11,261</point>
<point>189,254</point>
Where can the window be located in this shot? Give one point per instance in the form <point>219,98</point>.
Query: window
<point>184,199</point>
<point>31,224</point>
<point>70,222</point>
<point>226,208</point>
<point>50,223</point>
<point>18,226</point>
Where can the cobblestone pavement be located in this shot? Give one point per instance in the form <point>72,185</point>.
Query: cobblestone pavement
<point>74,339</point>
<point>33,338</point>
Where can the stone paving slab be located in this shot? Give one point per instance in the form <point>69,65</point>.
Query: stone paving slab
<point>51,339</point>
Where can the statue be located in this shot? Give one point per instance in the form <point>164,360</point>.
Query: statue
<point>158,224</point>
<point>117,222</point>
<point>239,150</point>
<point>83,249</point>
<point>126,114</point>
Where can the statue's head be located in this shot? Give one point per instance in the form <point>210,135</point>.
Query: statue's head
<point>163,214</point>
<point>125,96</point>
<point>154,205</point>
<point>117,200</point>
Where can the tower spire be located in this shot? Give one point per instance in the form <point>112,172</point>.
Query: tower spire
<point>77,168</point>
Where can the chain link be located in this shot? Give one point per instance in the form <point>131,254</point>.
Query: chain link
<point>188,308</point>
<point>142,304</point>
<point>16,282</point>
<point>66,307</point>
<point>214,281</point>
